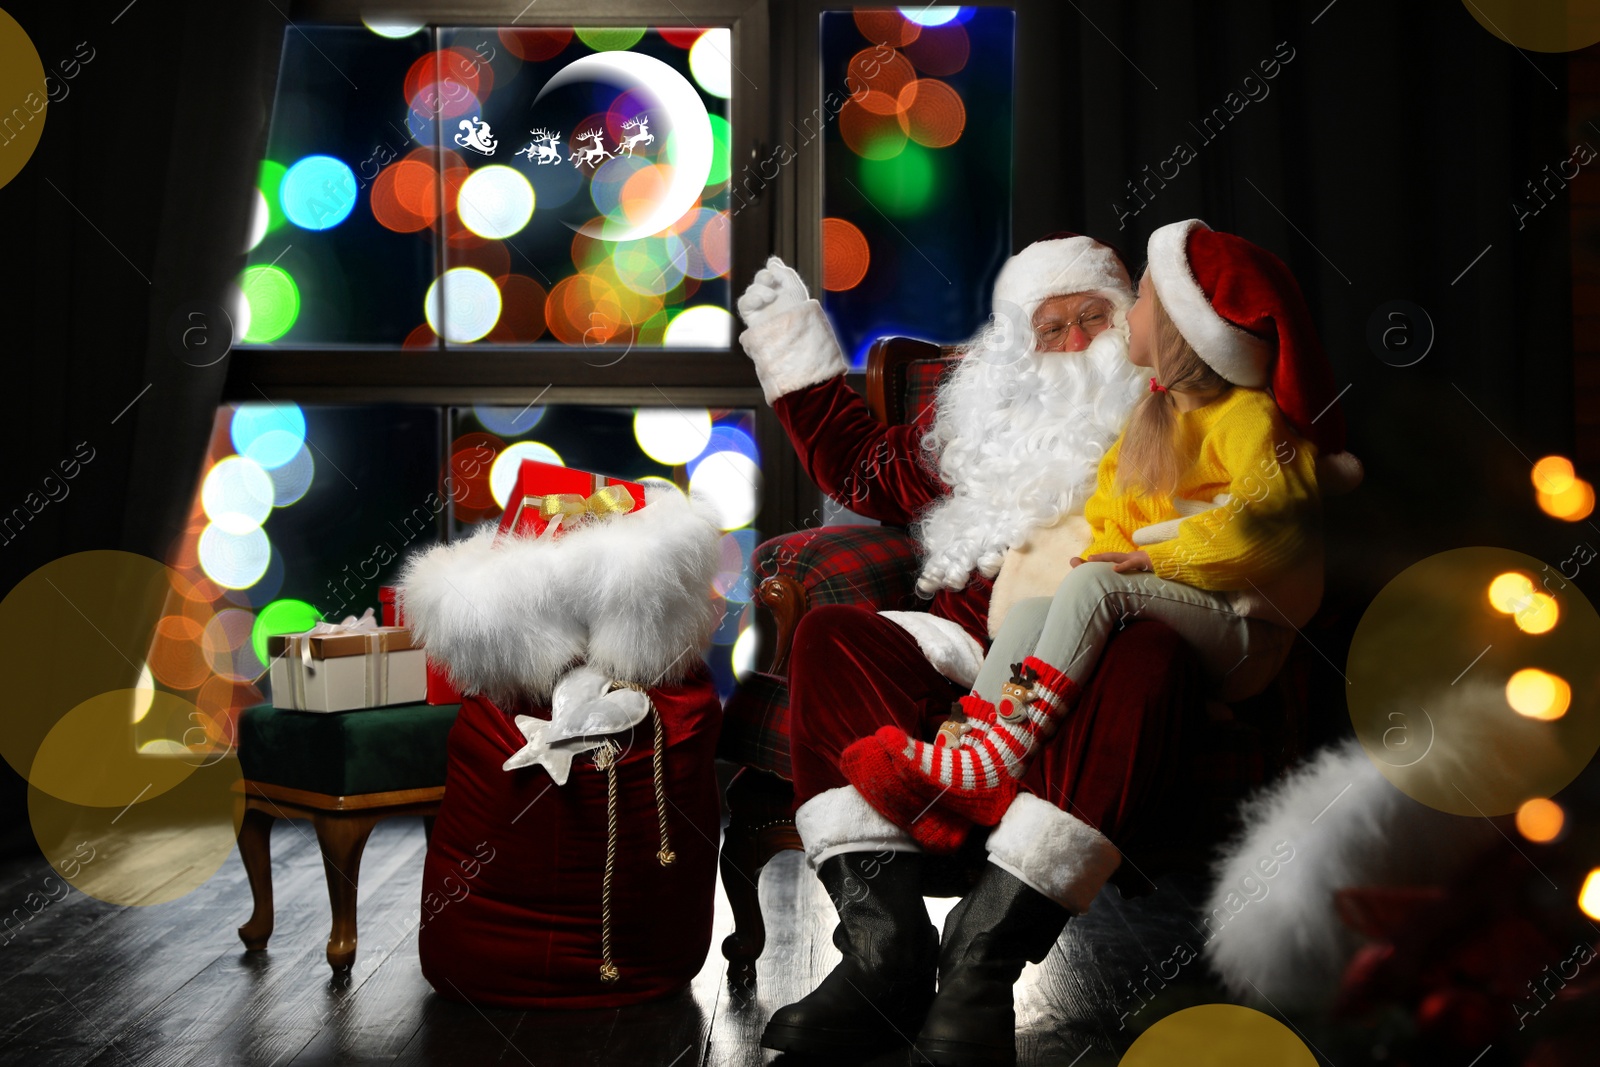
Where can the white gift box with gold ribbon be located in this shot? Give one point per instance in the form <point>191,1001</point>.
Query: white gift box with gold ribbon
<point>346,666</point>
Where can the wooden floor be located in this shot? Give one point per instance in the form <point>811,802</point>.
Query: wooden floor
<point>84,982</point>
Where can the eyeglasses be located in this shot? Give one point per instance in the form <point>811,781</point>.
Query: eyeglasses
<point>1090,322</point>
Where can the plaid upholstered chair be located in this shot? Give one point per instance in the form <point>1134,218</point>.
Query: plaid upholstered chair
<point>876,567</point>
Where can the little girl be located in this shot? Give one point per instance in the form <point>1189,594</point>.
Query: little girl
<point>1206,516</point>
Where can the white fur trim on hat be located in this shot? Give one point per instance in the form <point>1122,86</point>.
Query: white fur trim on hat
<point>793,350</point>
<point>1053,851</point>
<point>1059,267</point>
<point>840,820</point>
<point>953,652</point>
<point>508,615</point>
<point>1238,355</point>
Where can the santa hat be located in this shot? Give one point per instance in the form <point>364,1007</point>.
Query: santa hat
<point>1243,313</point>
<point>1059,264</point>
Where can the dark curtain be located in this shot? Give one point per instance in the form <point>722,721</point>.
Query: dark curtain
<point>132,212</point>
<point>1378,162</point>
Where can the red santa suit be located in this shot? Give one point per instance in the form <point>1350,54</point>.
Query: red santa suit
<point>996,487</point>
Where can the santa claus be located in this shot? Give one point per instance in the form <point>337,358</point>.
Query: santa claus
<point>995,489</point>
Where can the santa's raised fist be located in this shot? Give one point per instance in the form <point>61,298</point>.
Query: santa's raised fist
<point>775,289</point>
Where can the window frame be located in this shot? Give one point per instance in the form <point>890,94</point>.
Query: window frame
<point>445,376</point>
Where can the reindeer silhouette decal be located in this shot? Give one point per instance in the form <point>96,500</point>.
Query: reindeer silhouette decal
<point>590,156</point>
<point>546,147</point>
<point>644,136</point>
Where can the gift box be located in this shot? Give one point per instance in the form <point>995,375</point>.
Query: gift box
<point>346,666</point>
<point>544,490</point>
<point>440,690</point>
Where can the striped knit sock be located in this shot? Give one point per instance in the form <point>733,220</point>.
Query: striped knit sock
<point>975,777</point>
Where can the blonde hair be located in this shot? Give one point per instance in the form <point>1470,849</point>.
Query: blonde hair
<point>1151,459</point>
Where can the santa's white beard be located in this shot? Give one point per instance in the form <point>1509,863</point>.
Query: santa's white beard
<point>1019,437</point>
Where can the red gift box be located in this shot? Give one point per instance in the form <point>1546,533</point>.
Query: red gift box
<point>440,691</point>
<point>544,490</point>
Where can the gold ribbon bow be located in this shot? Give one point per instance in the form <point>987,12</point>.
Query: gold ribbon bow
<point>610,500</point>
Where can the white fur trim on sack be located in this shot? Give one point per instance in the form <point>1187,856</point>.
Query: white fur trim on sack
<point>953,652</point>
<point>1053,851</point>
<point>507,615</point>
<point>1341,823</point>
<point>1238,355</point>
<point>793,350</point>
<point>840,820</point>
<point>1060,267</point>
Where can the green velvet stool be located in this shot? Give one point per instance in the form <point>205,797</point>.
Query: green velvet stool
<point>342,771</point>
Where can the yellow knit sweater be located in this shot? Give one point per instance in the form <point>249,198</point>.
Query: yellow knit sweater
<point>1264,543</point>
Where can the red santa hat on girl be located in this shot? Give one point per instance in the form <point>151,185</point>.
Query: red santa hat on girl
<point>1062,263</point>
<point>1243,313</point>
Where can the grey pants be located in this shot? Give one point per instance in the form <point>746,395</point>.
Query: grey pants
<point>1241,655</point>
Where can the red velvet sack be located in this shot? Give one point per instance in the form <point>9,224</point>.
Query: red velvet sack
<point>513,883</point>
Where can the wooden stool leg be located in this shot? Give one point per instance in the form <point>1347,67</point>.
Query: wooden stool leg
<point>342,837</point>
<point>255,849</point>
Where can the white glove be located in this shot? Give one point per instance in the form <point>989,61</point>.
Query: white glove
<point>775,290</point>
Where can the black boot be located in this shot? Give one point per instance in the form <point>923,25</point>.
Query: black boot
<point>997,926</point>
<point>874,1000</point>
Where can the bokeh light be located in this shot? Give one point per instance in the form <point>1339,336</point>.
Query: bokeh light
<point>237,495</point>
<point>1538,694</point>
<point>940,50</point>
<point>405,194</point>
<point>269,182</point>
<point>701,326</point>
<point>609,38</point>
<point>1553,474</point>
<point>1572,504</point>
<point>1540,820</point>
<point>260,215</point>
<point>177,654</point>
<point>931,113</point>
<point>731,483</point>
<point>509,421</point>
<point>1540,616</point>
<point>536,45</point>
<point>291,480</point>
<point>901,185</point>
<point>1511,592</point>
<point>930,16</point>
<point>234,561</point>
<point>711,62</point>
<point>745,650</point>
<point>273,302</point>
<point>845,255</point>
<point>495,202</point>
<point>886,26</point>
<point>672,435</point>
<point>269,433</point>
<point>470,304</point>
<point>503,474</point>
<point>318,192</point>
<point>1589,895</point>
<point>286,616</point>
<point>390,27</point>
<point>727,439</point>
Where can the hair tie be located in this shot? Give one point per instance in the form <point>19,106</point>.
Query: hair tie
<point>1156,387</point>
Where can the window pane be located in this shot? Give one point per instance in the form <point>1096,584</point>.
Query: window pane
<point>712,450</point>
<point>301,513</point>
<point>343,253</point>
<point>917,169</point>
<point>496,186</point>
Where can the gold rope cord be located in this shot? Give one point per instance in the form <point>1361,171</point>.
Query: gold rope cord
<point>606,760</point>
<point>665,855</point>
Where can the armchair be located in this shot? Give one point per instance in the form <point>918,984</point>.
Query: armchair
<point>876,567</point>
